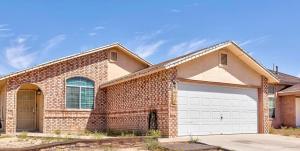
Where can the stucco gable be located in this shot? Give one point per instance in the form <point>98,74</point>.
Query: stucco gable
<point>124,65</point>
<point>208,68</point>
<point>230,45</point>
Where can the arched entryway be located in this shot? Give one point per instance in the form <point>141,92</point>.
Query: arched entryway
<point>30,105</point>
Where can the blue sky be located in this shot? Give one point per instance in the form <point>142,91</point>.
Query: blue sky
<point>34,32</point>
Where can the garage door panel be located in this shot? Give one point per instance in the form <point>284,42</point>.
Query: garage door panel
<point>183,114</point>
<point>205,109</point>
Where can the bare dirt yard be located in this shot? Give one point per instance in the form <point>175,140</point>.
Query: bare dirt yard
<point>294,132</point>
<point>94,141</point>
<point>17,142</point>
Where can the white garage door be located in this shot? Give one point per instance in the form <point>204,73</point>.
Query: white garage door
<point>206,109</point>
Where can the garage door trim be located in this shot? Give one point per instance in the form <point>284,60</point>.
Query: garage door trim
<point>236,95</point>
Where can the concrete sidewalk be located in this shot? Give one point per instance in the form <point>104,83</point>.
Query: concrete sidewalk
<point>247,142</point>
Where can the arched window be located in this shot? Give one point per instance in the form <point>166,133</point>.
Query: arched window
<point>80,93</point>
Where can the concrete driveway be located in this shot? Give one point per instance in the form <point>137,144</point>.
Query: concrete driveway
<point>253,142</point>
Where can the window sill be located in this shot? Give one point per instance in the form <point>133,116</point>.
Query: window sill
<point>79,109</point>
<point>223,66</point>
<point>113,61</point>
<point>74,110</point>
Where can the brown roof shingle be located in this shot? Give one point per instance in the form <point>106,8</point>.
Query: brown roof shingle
<point>286,79</point>
<point>294,88</point>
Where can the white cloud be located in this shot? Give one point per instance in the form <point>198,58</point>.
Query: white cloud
<point>54,41</point>
<point>147,36</point>
<point>5,31</point>
<point>4,27</point>
<point>175,10</point>
<point>255,40</point>
<point>99,28</point>
<point>147,49</point>
<point>188,46</point>
<point>18,55</point>
<point>21,39</point>
<point>92,34</point>
<point>146,44</point>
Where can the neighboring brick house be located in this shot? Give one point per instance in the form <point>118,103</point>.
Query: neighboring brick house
<point>284,102</point>
<point>217,90</point>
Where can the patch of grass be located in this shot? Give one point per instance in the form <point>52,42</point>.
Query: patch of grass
<point>109,148</point>
<point>154,133</point>
<point>5,136</point>
<point>193,139</point>
<point>54,139</point>
<point>23,135</point>
<point>123,133</point>
<point>151,144</point>
<point>87,132</point>
<point>98,135</point>
<point>57,132</point>
<point>286,131</point>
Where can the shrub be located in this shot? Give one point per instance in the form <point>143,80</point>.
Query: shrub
<point>127,133</point>
<point>272,130</point>
<point>154,133</point>
<point>114,133</point>
<point>57,132</point>
<point>87,132</point>
<point>23,135</point>
<point>151,144</point>
<point>98,135</point>
<point>193,139</point>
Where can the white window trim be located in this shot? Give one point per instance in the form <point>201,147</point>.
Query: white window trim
<point>272,96</point>
<point>79,109</point>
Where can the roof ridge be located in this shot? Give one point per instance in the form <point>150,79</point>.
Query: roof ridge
<point>201,50</point>
<point>162,65</point>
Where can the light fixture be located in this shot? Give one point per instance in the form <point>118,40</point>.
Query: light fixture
<point>39,92</point>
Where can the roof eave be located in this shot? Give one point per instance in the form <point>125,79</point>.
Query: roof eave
<point>296,92</point>
<point>133,54</point>
<point>90,51</point>
<point>269,75</point>
<point>130,77</point>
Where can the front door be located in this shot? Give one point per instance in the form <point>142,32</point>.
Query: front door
<point>26,110</point>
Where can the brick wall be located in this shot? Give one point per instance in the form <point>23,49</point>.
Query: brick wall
<point>51,80</point>
<point>263,107</point>
<point>288,111</point>
<point>129,103</point>
<point>276,122</point>
<point>2,106</point>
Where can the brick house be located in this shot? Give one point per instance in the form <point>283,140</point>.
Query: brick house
<point>217,90</point>
<point>284,100</point>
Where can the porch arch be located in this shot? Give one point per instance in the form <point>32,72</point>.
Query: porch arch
<point>29,108</point>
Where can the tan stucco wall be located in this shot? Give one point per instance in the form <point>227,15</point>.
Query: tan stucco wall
<point>125,65</point>
<point>207,68</point>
